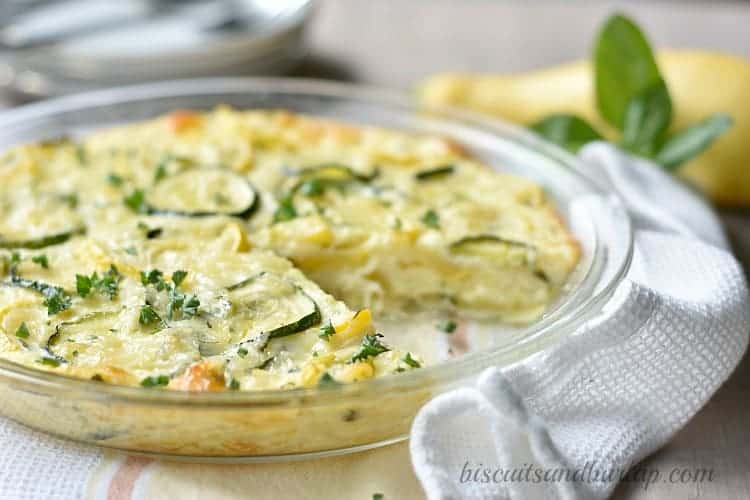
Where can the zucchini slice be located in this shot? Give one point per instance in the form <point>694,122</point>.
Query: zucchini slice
<point>314,181</point>
<point>496,248</point>
<point>41,242</point>
<point>77,337</point>
<point>55,298</point>
<point>434,173</point>
<point>268,304</point>
<point>203,192</point>
<point>336,172</point>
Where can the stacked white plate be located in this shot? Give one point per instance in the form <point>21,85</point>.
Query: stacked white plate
<point>52,48</point>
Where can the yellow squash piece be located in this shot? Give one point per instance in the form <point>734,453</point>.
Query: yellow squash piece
<point>700,83</point>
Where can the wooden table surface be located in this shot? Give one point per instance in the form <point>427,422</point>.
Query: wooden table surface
<point>395,42</point>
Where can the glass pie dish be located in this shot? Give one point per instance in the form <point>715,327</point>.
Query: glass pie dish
<point>306,422</point>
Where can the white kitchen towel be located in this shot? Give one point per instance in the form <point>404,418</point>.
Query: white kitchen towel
<point>569,422</point>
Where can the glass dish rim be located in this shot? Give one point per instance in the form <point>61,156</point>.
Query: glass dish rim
<point>446,371</point>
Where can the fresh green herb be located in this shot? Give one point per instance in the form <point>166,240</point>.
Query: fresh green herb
<point>15,260</point>
<point>692,141</point>
<point>242,352</point>
<point>160,173</point>
<point>159,381</point>
<point>23,331</point>
<point>190,307</point>
<point>49,361</point>
<point>326,379</point>
<point>431,219</point>
<point>632,96</point>
<point>567,131</point>
<point>624,68</point>
<point>184,306</point>
<point>326,331</point>
<point>371,347</point>
<point>56,300</point>
<point>312,187</point>
<point>71,199</point>
<point>130,250</point>
<point>154,277</point>
<point>435,173</point>
<point>447,326</point>
<point>377,496</point>
<point>178,277</point>
<point>106,285</point>
<point>286,210</point>
<point>115,180</point>
<point>234,384</point>
<point>41,260</point>
<point>136,201</point>
<point>148,315</point>
<point>647,118</point>
<point>411,361</point>
<point>83,284</point>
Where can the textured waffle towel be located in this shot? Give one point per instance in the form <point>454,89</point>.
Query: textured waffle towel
<point>578,416</point>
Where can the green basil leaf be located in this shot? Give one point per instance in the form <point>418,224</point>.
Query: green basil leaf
<point>624,67</point>
<point>691,141</point>
<point>568,131</point>
<point>647,119</point>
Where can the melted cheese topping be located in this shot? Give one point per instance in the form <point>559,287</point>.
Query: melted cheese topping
<point>385,220</point>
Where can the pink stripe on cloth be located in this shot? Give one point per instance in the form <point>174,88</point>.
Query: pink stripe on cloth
<point>123,481</point>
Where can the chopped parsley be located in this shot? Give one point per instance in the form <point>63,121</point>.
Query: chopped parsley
<point>286,210</point>
<point>180,304</point>
<point>183,305</point>
<point>242,352</point>
<point>148,316</point>
<point>447,326</point>
<point>23,331</point>
<point>105,285</point>
<point>154,277</point>
<point>161,380</point>
<point>161,172</point>
<point>15,260</point>
<point>115,180</point>
<point>41,260</point>
<point>431,219</point>
<point>178,277</point>
<point>327,379</point>
<point>371,347</point>
<point>411,361</point>
<point>312,187</point>
<point>234,384</point>
<point>377,496</point>
<point>326,331</point>
<point>49,361</point>
<point>136,201</point>
<point>71,199</point>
